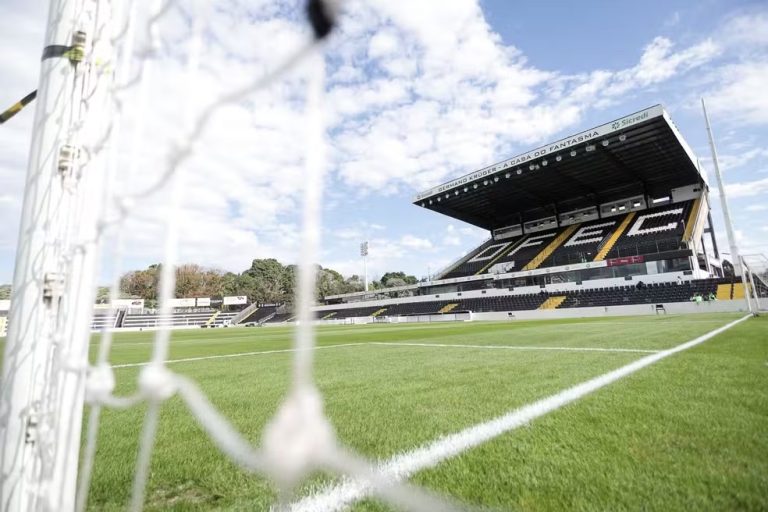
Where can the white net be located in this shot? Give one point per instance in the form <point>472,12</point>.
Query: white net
<point>107,168</point>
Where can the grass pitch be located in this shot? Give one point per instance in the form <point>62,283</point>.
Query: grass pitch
<point>688,433</point>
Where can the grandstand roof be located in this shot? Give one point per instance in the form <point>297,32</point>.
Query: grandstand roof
<point>642,153</point>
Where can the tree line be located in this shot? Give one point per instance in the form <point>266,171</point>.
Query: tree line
<point>266,281</point>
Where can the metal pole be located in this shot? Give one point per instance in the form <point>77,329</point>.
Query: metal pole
<point>721,188</point>
<point>754,295</point>
<point>41,395</point>
<point>364,254</point>
<point>746,286</point>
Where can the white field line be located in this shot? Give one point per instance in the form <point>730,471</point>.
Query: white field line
<point>239,354</point>
<point>402,466</point>
<point>514,347</point>
<point>281,351</point>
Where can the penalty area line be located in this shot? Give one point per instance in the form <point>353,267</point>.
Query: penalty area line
<point>515,347</point>
<point>402,466</point>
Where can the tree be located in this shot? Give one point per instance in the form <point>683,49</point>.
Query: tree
<point>269,279</point>
<point>354,283</point>
<point>141,283</point>
<point>5,291</point>
<point>330,282</point>
<point>385,279</point>
<point>102,295</point>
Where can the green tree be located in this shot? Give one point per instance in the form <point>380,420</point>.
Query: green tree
<point>406,279</point>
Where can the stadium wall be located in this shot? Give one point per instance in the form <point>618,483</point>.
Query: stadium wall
<point>676,308</point>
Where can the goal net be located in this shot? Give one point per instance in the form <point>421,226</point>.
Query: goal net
<point>98,171</point>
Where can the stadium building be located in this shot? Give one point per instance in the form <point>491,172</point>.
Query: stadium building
<point>611,219</point>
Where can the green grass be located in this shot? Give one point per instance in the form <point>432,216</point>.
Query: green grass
<point>688,433</point>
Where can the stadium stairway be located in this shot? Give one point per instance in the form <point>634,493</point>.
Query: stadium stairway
<point>724,291</point>
<point>691,221</point>
<point>553,302</point>
<point>213,318</point>
<point>448,307</point>
<point>553,245</point>
<point>605,249</point>
<point>378,312</point>
<point>329,315</point>
<point>738,291</point>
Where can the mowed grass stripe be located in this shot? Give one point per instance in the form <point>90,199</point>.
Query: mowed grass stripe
<point>511,347</point>
<point>403,465</point>
<point>381,402</point>
<point>653,333</point>
<point>688,433</point>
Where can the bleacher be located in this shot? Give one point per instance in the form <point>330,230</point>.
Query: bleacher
<point>259,315</point>
<point>525,249</point>
<point>655,230</point>
<point>584,243</point>
<point>281,317</point>
<point>651,231</point>
<point>652,293</point>
<point>103,320</point>
<point>195,319</point>
<point>477,259</point>
<point>630,294</point>
<point>351,312</point>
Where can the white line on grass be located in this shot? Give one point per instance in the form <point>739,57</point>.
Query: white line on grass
<point>515,347</point>
<point>239,354</point>
<point>402,466</point>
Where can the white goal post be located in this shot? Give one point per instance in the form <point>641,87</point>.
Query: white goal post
<point>53,287</point>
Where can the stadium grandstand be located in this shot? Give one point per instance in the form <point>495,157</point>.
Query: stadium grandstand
<point>614,219</point>
<point>616,215</point>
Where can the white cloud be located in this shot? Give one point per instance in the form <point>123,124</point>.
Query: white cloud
<point>740,93</point>
<point>756,208</point>
<point>746,188</point>
<point>414,242</point>
<point>418,92</point>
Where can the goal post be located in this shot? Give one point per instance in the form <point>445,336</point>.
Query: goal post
<point>53,290</point>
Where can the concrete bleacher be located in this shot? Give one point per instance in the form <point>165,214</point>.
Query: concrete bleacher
<point>194,319</point>
<point>103,320</point>
<point>260,315</point>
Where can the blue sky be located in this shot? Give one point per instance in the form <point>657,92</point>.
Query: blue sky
<point>418,93</point>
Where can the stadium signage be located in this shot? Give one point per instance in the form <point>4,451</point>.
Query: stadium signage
<point>628,260</point>
<point>128,303</point>
<point>182,303</point>
<point>560,145</point>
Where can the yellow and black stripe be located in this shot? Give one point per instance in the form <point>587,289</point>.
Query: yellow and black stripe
<point>16,107</point>
<point>74,53</point>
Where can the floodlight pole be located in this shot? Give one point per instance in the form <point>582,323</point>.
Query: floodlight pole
<point>364,254</point>
<point>723,202</point>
